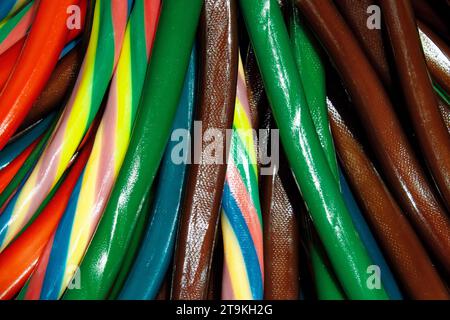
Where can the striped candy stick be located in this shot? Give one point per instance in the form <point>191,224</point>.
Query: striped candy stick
<point>19,259</point>
<point>22,173</point>
<point>42,48</point>
<point>18,145</point>
<point>35,285</point>
<point>12,51</point>
<point>241,215</point>
<point>10,7</point>
<point>12,199</point>
<point>15,28</point>
<point>110,18</point>
<point>162,88</point>
<point>8,173</point>
<point>111,142</point>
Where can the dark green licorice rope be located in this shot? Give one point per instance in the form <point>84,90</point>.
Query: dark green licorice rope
<point>269,37</point>
<point>162,89</point>
<point>312,74</point>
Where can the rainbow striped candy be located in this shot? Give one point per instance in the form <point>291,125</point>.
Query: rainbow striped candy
<point>243,275</point>
<point>10,7</point>
<point>16,147</point>
<point>36,282</point>
<point>76,228</point>
<point>110,19</point>
<point>15,28</point>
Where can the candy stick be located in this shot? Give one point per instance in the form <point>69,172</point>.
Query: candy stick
<point>19,259</point>
<point>193,275</point>
<point>312,75</point>
<point>421,103</point>
<point>14,29</point>
<point>161,93</point>
<point>156,251</point>
<point>8,173</point>
<point>241,214</point>
<point>111,142</point>
<point>304,152</point>
<point>8,60</point>
<point>10,7</point>
<point>369,241</point>
<point>58,86</point>
<point>16,147</point>
<point>25,169</point>
<point>39,56</point>
<point>107,33</point>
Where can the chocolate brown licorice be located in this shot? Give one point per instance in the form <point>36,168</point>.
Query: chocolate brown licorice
<point>281,241</point>
<point>270,40</point>
<point>429,127</point>
<point>437,55</point>
<point>61,81</point>
<point>219,56</point>
<point>445,113</point>
<point>370,40</point>
<point>398,239</point>
<point>425,10</point>
<point>399,165</point>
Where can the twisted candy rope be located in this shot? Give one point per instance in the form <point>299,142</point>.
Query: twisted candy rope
<point>19,259</point>
<point>15,28</point>
<point>243,276</point>
<point>319,188</point>
<point>80,221</point>
<point>110,19</point>
<point>34,66</point>
<point>10,7</point>
<point>160,97</point>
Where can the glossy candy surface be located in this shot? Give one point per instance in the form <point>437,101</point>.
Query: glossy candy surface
<point>278,69</point>
<point>109,21</point>
<point>132,167</point>
<point>36,62</point>
<point>111,141</point>
<point>156,251</point>
<point>161,92</point>
<point>243,270</point>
